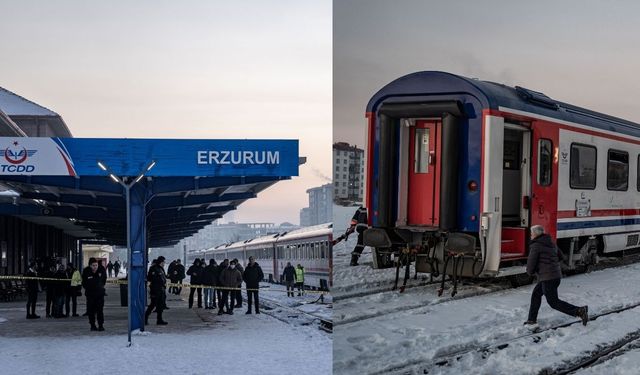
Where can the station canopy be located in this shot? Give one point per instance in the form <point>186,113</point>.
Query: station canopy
<point>77,184</point>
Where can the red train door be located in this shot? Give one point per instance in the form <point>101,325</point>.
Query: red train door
<point>544,184</point>
<point>424,171</point>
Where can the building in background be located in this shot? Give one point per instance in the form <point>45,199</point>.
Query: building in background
<point>320,208</point>
<point>348,173</point>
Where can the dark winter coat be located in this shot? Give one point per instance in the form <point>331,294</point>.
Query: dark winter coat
<point>103,272</point>
<point>116,267</point>
<point>208,276</point>
<point>170,269</point>
<point>195,272</point>
<point>32,285</point>
<point>289,273</point>
<point>231,278</point>
<point>253,275</point>
<point>179,271</point>
<point>544,258</point>
<point>157,279</point>
<point>110,266</point>
<point>92,282</point>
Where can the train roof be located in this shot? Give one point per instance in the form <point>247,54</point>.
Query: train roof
<point>421,85</point>
<point>312,231</point>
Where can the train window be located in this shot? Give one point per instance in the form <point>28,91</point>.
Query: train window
<point>582,173</point>
<point>421,151</point>
<point>618,170</point>
<point>545,148</point>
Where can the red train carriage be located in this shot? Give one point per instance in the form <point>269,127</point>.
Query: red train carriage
<point>459,169</point>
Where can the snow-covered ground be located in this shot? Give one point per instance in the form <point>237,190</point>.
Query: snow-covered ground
<point>261,345</point>
<point>196,341</point>
<point>387,332</point>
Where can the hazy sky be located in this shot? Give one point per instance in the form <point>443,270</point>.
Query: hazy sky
<point>188,69</point>
<point>581,52</point>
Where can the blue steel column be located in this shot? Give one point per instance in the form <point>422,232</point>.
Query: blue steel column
<point>138,266</point>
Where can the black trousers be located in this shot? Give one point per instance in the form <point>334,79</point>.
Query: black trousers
<point>549,289</point>
<point>47,308</point>
<point>158,301</point>
<point>253,294</point>
<point>193,290</point>
<point>32,298</point>
<point>360,245</point>
<point>58,304</point>
<point>224,302</point>
<point>178,290</point>
<point>290,288</point>
<point>95,306</point>
<point>73,298</point>
<point>237,295</point>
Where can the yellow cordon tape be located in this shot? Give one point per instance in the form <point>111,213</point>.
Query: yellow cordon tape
<point>117,281</point>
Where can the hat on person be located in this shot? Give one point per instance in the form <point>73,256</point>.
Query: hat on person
<point>160,259</point>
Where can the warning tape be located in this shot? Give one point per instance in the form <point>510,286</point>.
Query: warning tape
<point>118,281</point>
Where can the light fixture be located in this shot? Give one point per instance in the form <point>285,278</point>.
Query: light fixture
<point>102,166</point>
<point>153,163</point>
<point>113,177</point>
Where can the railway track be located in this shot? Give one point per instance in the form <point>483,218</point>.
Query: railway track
<point>448,358</point>
<point>269,306</point>
<point>464,291</point>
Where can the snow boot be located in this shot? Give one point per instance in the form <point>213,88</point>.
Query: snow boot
<point>101,328</point>
<point>583,313</point>
<point>94,328</point>
<point>530,323</point>
<point>354,260</point>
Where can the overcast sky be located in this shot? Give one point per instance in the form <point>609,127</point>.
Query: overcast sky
<point>581,52</point>
<point>188,69</point>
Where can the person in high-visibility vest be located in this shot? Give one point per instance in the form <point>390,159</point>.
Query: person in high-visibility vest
<point>300,279</point>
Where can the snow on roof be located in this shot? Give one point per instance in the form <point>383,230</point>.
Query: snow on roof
<point>15,105</point>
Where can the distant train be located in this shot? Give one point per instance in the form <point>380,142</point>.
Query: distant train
<point>310,247</point>
<point>459,170</point>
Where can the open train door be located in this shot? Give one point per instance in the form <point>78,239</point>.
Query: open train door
<point>423,201</point>
<point>544,190</point>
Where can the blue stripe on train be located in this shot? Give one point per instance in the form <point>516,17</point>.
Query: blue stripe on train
<point>597,224</point>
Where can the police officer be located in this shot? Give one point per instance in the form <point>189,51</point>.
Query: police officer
<point>358,224</point>
<point>158,280</point>
<point>300,279</point>
<point>94,291</point>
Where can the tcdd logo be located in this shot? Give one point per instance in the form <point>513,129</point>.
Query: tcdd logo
<point>16,156</point>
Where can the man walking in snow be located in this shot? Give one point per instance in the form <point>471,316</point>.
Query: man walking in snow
<point>544,260</point>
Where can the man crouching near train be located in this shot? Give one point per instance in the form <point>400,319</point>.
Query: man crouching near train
<point>544,260</point>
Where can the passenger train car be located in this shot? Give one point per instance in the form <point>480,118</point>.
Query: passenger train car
<point>310,247</point>
<point>460,169</point>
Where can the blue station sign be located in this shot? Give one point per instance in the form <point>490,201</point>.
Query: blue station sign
<point>128,157</point>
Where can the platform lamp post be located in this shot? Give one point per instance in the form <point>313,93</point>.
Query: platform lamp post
<point>127,188</point>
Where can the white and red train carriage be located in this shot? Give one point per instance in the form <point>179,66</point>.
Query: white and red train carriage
<point>459,170</point>
<point>309,247</point>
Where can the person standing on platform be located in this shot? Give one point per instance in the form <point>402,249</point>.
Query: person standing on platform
<point>252,276</point>
<point>300,279</point>
<point>238,293</point>
<point>180,275</point>
<point>289,276</point>
<point>74,289</point>
<point>229,278</point>
<point>110,268</point>
<point>170,275</point>
<point>32,291</point>
<point>49,286</point>
<point>195,272</point>
<point>221,267</point>
<point>93,285</point>
<point>208,279</point>
<point>158,288</point>
<point>116,268</point>
<point>59,291</point>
